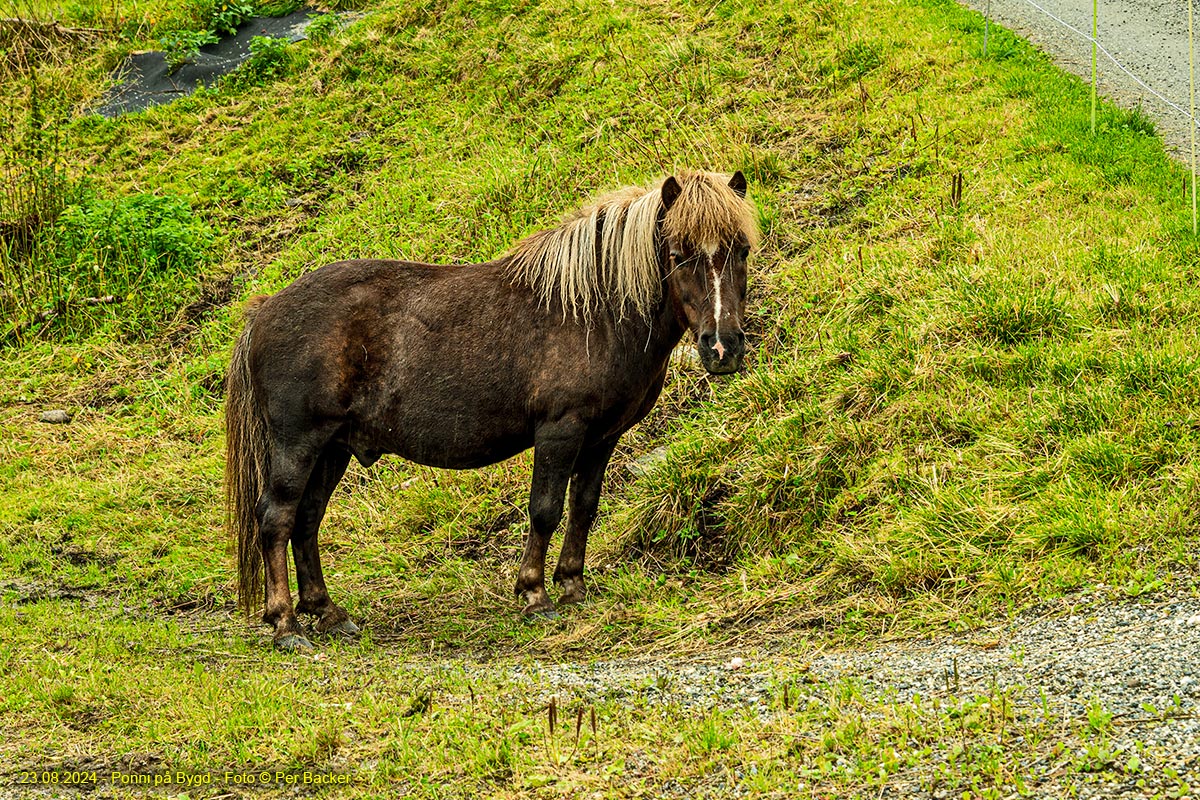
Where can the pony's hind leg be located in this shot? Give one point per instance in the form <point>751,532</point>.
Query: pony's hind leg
<point>310,581</point>
<point>586,480</point>
<point>277,510</point>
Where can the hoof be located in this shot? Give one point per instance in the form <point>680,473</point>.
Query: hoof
<point>293,643</point>
<point>572,590</point>
<point>344,629</point>
<point>539,606</point>
<point>543,614</point>
<point>537,603</point>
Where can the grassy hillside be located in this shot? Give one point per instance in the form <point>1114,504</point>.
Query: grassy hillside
<point>959,400</point>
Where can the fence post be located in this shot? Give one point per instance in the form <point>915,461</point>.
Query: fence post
<point>1192,107</point>
<point>1095,13</point>
<point>987,24</point>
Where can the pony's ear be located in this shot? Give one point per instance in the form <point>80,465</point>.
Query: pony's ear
<point>670,192</point>
<point>738,184</point>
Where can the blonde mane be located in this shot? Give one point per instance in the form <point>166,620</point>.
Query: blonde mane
<point>605,256</point>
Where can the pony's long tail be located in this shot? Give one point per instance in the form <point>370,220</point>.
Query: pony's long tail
<point>246,465</point>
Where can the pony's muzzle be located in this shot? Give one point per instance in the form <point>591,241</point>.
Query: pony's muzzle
<point>722,354</point>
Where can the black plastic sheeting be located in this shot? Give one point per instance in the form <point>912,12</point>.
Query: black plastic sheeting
<point>144,80</point>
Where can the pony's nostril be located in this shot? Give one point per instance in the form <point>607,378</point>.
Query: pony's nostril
<point>722,346</point>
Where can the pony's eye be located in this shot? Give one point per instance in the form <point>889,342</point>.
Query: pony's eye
<point>744,252</point>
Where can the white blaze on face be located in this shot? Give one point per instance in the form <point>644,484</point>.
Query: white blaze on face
<point>711,250</point>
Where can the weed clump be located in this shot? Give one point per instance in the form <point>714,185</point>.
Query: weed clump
<point>269,59</point>
<point>143,252</point>
<point>180,47</point>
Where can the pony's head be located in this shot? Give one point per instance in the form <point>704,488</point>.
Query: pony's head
<point>689,237</point>
<point>708,230</point>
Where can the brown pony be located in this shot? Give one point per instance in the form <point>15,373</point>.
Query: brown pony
<point>562,345</point>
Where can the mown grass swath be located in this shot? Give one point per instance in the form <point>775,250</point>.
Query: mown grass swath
<point>972,382</point>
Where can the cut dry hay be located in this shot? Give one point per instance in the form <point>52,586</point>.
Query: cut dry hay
<point>27,43</point>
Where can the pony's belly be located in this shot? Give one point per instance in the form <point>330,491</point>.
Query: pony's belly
<point>446,443</point>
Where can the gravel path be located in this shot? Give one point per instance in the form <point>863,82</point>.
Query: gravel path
<point>1148,37</point>
<point>1138,660</point>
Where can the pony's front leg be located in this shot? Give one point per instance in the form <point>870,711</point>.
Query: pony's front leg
<point>586,481</point>
<point>555,448</point>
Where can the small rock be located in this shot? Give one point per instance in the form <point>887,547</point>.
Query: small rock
<point>842,359</point>
<point>55,417</point>
<point>1194,620</point>
<point>737,662</point>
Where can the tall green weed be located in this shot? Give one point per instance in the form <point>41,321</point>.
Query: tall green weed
<point>142,253</point>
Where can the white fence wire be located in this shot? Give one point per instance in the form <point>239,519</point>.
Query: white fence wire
<point>1087,37</point>
<point>1188,114</point>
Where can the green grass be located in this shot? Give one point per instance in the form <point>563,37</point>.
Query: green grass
<point>955,406</point>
